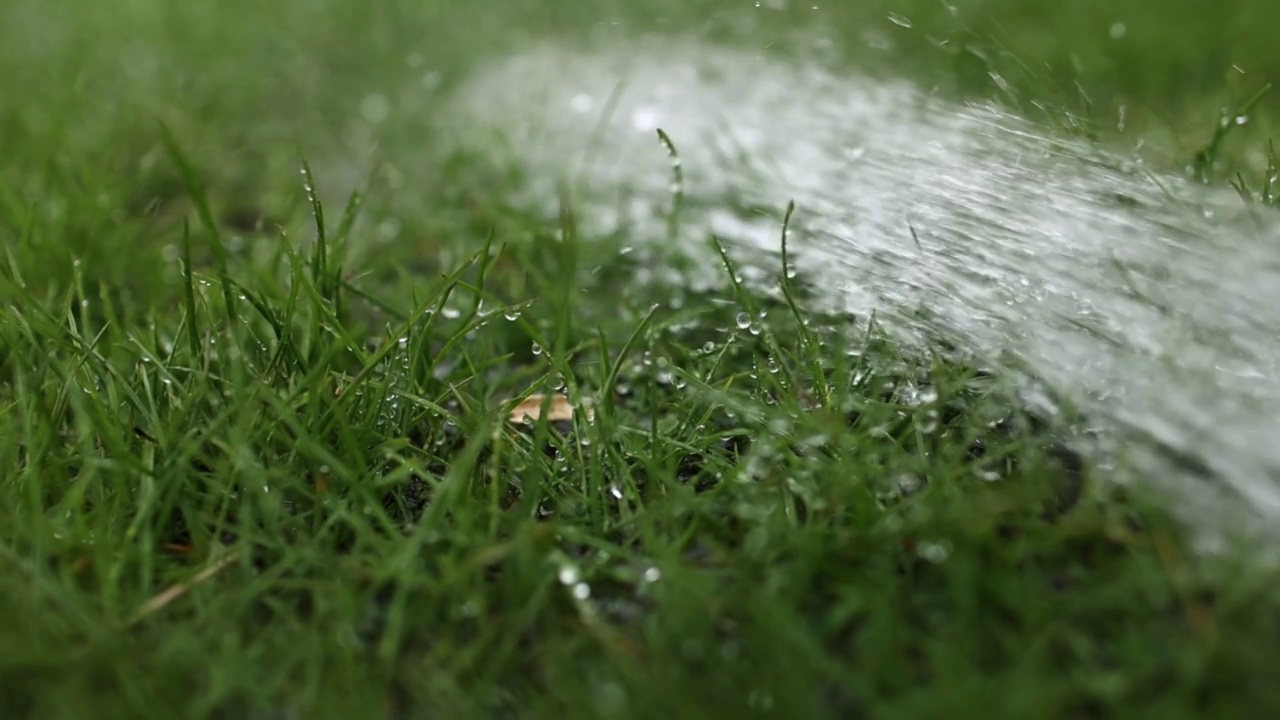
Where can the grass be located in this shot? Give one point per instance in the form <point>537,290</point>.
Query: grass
<point>258,463</point>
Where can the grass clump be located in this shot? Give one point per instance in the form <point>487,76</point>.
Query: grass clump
<point>287,493</point>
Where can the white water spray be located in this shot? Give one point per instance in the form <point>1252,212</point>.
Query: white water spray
<point>1152,302</point>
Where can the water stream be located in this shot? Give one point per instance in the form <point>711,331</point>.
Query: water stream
<point>1151,302</point>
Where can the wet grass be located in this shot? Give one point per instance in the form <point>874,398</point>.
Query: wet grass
<point>256,458</point>
<point>280,496</point>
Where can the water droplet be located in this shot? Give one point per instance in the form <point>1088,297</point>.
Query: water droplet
<point>536,349</point>
<point>582,591</point>
<point>909,483</point>
<point>375,108</point>
<point>652,575</point>
<point>581,103</point>
<point>568,575</point>
<point>900,20</point>
<point>987,474</point>
<point>933,552</point>
<point>1118,30</point>
<point>644,120</point>
<point>916,396</point>
<point>1001,82</point>
<point>743,321</point>
<point>451,313</point>
<point>388,230</point>
<point>511,315</point>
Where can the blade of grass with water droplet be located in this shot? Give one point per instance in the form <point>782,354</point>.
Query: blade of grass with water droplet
<point>195,187</point>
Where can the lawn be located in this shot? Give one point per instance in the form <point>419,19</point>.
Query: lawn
<point>358,443</point>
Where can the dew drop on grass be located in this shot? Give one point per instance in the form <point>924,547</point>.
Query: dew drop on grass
<point>909,483</point>
<point>743,321</point>
<point>935,553</point>
<point>708,347</point>
<point>512,315</point>
<point>582,591</point>
<point>652,575</point>
<point>451,313</point>
<point>916,396</point>
<point>568,575</point>
<point>615,491</point>
<point>987,474</point>
<point>536,349</point>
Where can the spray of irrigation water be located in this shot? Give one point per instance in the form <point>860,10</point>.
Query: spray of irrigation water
<point>1146,299</point>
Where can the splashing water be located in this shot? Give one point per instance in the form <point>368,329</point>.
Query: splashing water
<point>1148,300</point>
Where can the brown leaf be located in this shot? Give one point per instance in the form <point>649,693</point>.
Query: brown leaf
<point>530,409</point>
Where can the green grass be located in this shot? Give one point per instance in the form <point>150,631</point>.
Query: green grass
<point>212,379</point>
